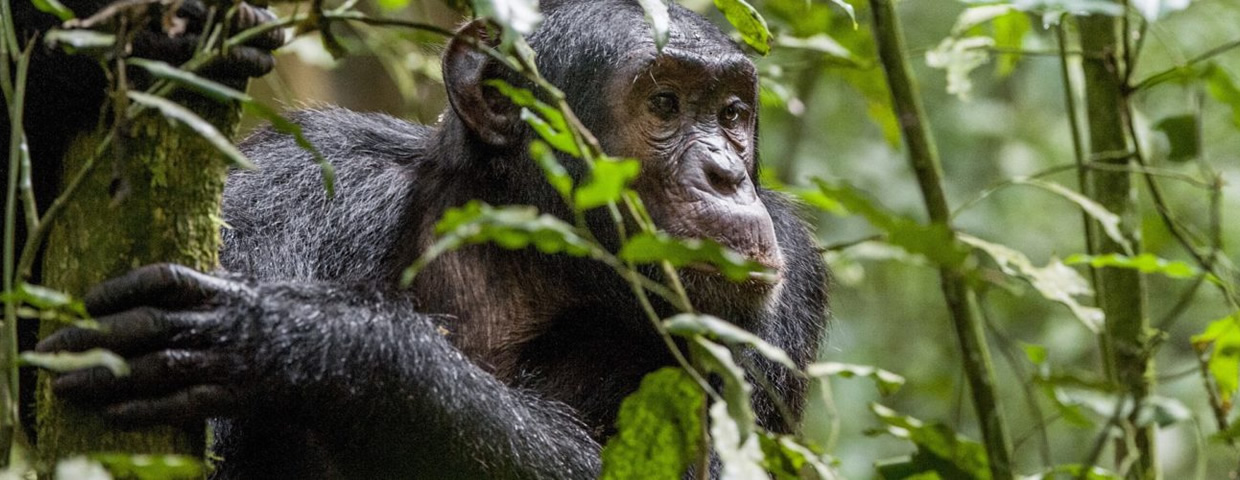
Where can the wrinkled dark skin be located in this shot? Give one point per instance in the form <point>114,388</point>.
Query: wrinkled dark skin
<point>310,361</point>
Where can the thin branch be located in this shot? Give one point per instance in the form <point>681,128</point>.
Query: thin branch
<point>1173,72</point>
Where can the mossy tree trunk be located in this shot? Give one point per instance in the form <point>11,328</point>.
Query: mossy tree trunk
<point>172,182</point>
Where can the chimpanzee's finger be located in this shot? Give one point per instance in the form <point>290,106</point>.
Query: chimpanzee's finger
<point>162,285</point>
<point>126,333</point>
<point>184,406</point>
<point>251,16</point>
<point>152,375</point>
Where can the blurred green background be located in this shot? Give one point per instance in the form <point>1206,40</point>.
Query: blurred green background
<point>887,309</point>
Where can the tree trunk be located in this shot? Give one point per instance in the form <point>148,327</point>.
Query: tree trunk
<point>172,183</point>
<point>1121,292</point>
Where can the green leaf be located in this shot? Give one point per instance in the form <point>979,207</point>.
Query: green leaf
<point>44,298</point>
<point>517,18</point>
<point>607,181</point>
<point>1055,281</point>
<point>958,57</point>
<point>717,359</point>
<point>203,128</point>
<point>748,22</point>
<point>649,247</point>
<point>1010,30</point>
<point>688,324</point>
<point>80,41</point>
<point>70,361</point>
<point>513,228</point>
<point>555,173</point>
<point>852,15</point>
<point>1223,88</point>
<point>660,22</point>
<point>832,52</point>
<point>54,7</point>
<point>1181,132</point>
<point>936,242</point>
<point>1145,263</point>
<point>939,448</point>
<point>151,467</point>
<point>739,452</point>
<point>1154,10</point>
<point>1162,412</point>
<point>223,94</point>
<point>1035,353</point>
<point>888,382</point>
<point>1110,222</point>
<point>1222,338</point>
<point>787,459</point>
<point>659,430</point>
<point>1073,470</point>
<point>393,5</point>
<point>79,468</point>
<point>546,120</point>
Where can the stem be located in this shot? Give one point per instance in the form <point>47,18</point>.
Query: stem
<point>16,104</point>
<point>1078,150</point>
<point>923,157</point>
<point>1121,292</point>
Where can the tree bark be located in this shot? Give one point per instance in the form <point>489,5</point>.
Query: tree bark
<point>172,182</point>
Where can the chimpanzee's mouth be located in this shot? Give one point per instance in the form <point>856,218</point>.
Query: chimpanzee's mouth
<point>766,276</point>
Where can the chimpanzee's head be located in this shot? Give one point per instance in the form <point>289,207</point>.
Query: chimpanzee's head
<point>687,112</point>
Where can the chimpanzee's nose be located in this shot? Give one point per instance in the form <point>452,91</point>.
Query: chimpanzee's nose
<point>726,175</point>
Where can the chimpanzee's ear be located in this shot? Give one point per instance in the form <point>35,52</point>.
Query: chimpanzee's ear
<point>484,109</point>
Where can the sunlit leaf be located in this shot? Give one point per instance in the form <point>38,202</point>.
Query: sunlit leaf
<point>80,468</point>
<point>546,120</point>
<point>607,181</point>
<point>659,20</point>
<point>659,430</point>
<point>151,467</point>
<point>552,170</point>
<point>1110,222</point>
<point>70,361</point>
<point>739,453</point>
<point>517,18</point>
<point>939,448</point>
<point>748,22</point>
<point>959,57</point>
<point>1035,353</point>
<point>650,247</point>
<point>717,359</point>
<point>1074,471</point>
<point>1153,10</point>
<point>1055,281</point>
<point>687,324</point>
<point>1222,339</point>
<point>1181,132</point>
<point>1162,412</point>
<point>888,382</point>
<point>1010,30</point>
<point>203,128</point>
<point>513,227</point>
<point>787,459</point>
<point>833,52</point>
<point>852,14</point>
<point>54,7</point>
<point>1145,263</point>
<point>393,5</point>
<point>79,41</point>
<point>44,298</point>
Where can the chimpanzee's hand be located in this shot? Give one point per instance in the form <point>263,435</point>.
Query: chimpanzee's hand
<point>253,59</point>
<point>191,341</point>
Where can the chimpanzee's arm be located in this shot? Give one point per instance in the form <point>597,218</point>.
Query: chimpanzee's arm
<point>379,385</point>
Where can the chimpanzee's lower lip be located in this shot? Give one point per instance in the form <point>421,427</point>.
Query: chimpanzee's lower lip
<point>767,277</point>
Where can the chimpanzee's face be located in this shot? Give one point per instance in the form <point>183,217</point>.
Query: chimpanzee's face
<point>689,114</point>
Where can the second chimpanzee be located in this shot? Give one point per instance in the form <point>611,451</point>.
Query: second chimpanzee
<point>314,364</point>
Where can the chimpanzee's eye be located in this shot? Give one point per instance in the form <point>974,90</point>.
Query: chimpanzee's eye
<point>731,115</point>
<point>665,105</point>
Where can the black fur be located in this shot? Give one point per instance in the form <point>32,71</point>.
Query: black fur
<point>315,365</point>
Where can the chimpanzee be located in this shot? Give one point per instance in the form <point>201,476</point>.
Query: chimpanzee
<point>496,363</point>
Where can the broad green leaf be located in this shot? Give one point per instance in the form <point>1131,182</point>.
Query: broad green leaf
<point>648,247</point>
<point>1222,338</point>
<point>748,22</point>
<point>936,242</point>
<point>1110,222</point>
<point>939,448</point>
<point>833,52</point>
<point>54,7</point>
<point>555,173</point>
<point>70,361</point>
<point>659,430</point>
<point>1153,10</point>
<point>1145,263</point>
<point>1055,281</point>
<point>223,93</point>
<point>1010,30</point>
<point>888,382</point>
<point>1181,132</point>
<point>659,20</point>
<point>959,57</point>
<point>513,227</point>
<point>739,452</point>
<point>203,128</point>
<point>517,18</point>
<point>787,459</point>
<point>607,181</point>
<point>688,324</point>
<point>546,120</point>
<point>1223,88</point>
<point>150,467</point>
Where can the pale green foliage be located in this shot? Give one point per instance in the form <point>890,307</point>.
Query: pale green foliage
<point>748,22</point>
<point>1222,339</point>
<point>660,22</point>
<point>1055,281</point>
<point>888,382</point>
<point>70,361</point>
<point>659,429</point>
<point>939,449</point>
